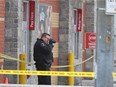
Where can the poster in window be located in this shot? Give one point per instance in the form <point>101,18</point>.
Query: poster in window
<point>45,19</point>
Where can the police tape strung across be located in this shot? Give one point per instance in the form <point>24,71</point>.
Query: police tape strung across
<point>50,73</point>
<point>62,66</point>
<point>47,73</point>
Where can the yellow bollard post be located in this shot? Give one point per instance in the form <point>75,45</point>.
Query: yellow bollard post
<point>22,66</point>
<point>71,68</point>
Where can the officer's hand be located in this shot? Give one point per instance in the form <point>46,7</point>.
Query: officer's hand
<point>50,42</point>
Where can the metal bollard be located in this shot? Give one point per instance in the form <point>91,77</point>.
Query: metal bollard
<point>71,68</point>
<point>22,66</point>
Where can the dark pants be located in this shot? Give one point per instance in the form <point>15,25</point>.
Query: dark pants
<point>43,80</point>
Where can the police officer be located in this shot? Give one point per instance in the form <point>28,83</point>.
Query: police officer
<point>43,57</point>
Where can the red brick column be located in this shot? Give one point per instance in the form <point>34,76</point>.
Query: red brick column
<point>2,29</point>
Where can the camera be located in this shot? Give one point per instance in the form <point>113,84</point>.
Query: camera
<point>52,41</point>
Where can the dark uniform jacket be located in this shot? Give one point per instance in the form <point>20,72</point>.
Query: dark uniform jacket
<point>43,55</point>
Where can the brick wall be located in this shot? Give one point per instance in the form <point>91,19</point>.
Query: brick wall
<point>2,27</point>
<point>11,33</point>
<point>63,38</point>
<point>89,28</point>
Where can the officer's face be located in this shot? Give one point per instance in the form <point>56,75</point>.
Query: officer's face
<point>46,39</point>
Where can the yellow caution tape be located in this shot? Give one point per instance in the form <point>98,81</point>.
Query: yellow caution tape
<point>50,73</point>
<point>63,66</point>
<point>47,73</point>
<point>14,59</point>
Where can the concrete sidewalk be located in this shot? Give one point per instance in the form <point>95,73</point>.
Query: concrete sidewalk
<point>17,85</point>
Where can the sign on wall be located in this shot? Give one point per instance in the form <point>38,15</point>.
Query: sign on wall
<point>79,20</point>
<point>45,18</point>
<point>90,40</point>
<point>31,15</point>
<point>110,6</point>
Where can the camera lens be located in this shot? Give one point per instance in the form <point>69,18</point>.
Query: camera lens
<point>53,41</point>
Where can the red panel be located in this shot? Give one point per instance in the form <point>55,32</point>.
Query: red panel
<point>32,15</point>
<point>79,21</point>
<point>90,40</point>
<point>2,28</point>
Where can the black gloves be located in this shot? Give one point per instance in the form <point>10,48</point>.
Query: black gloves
<point>51,41</point>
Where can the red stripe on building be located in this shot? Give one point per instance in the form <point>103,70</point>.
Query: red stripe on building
<point>55,34</point>
<point>2,28</point>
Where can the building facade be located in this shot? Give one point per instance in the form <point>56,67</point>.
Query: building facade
<point>56,17</point>
<point>20,37</point>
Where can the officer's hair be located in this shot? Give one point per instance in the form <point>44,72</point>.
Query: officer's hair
<point>44,35</point>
